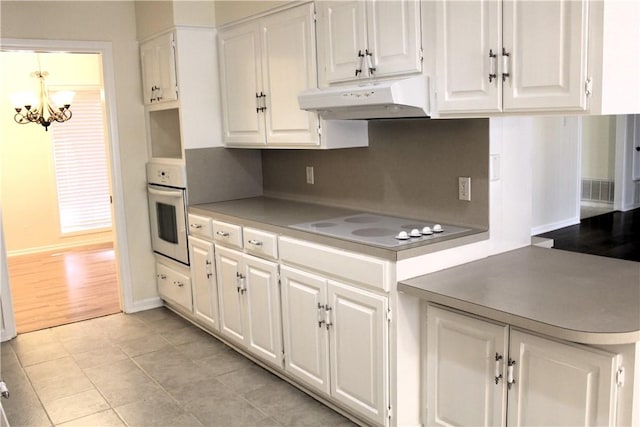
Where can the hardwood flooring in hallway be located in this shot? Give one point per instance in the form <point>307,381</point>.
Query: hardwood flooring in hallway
<point>615,235</point>
<point>55,288</point>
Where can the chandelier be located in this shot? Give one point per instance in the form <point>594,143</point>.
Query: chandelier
<point>45,109</point>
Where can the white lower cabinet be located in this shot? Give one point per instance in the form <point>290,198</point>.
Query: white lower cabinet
<point>204,285</point>
<point>336,341</point>
<point>483,373</point>
<point>249,303</point>
<point>174,285</point>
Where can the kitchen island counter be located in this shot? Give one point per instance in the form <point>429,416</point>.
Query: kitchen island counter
<point>278,215</point>
<point>571,296</point>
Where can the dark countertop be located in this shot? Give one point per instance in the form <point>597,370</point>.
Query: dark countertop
<point>276,215</point>
<point>571,296</point>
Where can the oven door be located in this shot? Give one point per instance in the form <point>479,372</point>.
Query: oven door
<point>168,222</point>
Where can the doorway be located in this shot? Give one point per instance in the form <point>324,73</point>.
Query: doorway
<point>598,165</point>
<point>58,238</point>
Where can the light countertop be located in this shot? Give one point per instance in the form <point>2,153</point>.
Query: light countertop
<point>276,215</point>
<point>572,296</point>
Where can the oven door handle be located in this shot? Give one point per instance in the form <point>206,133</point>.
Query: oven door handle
<point>169,193</point>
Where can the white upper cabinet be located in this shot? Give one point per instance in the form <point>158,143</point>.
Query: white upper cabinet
<point>516,55</point>
<point>526,56</point>
<point>264,64</point>
<point>159,69</point>
<point>469,39</point>
<point>544,63</point>
<point>368,39</point>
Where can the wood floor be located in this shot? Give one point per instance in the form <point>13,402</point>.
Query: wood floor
<point>614,235</point>
<point>55,288</point>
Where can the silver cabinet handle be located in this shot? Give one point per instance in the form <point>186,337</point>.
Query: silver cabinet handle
<point>369,55</point>
<point>178,284</point>
<point>321,315</point>
<point>161,276</point>
<point>505,64</point>
<point>510,379</point>
<point>328,316</point>
<point>254,242</point>
<point>222,233</point>
<point>195,225</point>
<point>498,372</point>
<point>492,65</point>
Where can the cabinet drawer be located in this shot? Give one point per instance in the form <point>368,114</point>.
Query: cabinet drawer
<point>200,226</point>
<point>365,270</point>
<point>174,286</point>
<point>260,243</point>
<point>229,234</point>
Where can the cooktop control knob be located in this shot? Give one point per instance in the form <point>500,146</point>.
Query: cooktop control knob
<point>437,228</point>
<point>427,230</point>
<point>415,233</point>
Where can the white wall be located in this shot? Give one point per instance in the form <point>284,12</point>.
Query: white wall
<point>510,201</point>
<point>555,169</point>
<point>599,147</point>
<point>112,22</point>
<point>232,10</point>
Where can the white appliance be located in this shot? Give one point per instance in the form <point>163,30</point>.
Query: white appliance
<point>166,190</point>
<point>407,97</point>
<point>383,230</point>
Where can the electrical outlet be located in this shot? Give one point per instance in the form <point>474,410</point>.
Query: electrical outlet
<point>464,188</point>
<point>310,179</point>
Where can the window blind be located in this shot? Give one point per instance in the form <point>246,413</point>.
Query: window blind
<point>81,170</point>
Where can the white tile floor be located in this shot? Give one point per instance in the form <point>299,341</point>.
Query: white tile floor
<point>148,369</point>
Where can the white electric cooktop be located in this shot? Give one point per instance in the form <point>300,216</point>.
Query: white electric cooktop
<point>381,230</point>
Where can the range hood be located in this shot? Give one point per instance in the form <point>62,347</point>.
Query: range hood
<point>407,97</point>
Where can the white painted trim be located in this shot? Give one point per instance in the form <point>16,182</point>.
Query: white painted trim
<point>57,247</point>
<point>117,186</point>
<point>555,225</point>
<point>578,170</point>
<point>7,322</point>
<point>145,304</point>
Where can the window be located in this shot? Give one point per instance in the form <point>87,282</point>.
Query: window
<point>81,169</point>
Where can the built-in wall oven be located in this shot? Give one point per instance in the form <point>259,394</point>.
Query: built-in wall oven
<point>166,189</point>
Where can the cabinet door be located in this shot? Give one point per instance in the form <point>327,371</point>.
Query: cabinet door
<point>461,368</point>
<point>167,82</point>
<point>240,71</point>
<point>306,339</point>
<point>289,67</point>
<point>359,350</point>
<point>342,34</point>
<point>149,60</point>
<point>547,44</point>
<point>229,295</point>
<point>203,277</point>
<point>262,309</point>
<point>560,384</point>
<point>467,33</point>
<point>394,38</point>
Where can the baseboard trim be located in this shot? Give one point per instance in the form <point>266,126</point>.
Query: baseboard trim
<point>142,305</point>
<point>57,247</point>
<point>545,228</point>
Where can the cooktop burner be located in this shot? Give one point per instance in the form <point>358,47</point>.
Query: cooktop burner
<point>381,230</point>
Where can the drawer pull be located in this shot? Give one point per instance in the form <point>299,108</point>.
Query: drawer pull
<point>195,226</point>
<point>255,242</point>
<point>223,233</point>
<point>178,284</point>
<point>161,276</point>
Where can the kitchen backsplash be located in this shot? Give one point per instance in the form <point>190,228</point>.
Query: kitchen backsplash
<point>217,174</point>
<point>410,169</point>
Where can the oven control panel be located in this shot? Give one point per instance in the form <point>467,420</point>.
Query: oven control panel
<point>171,175</point>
